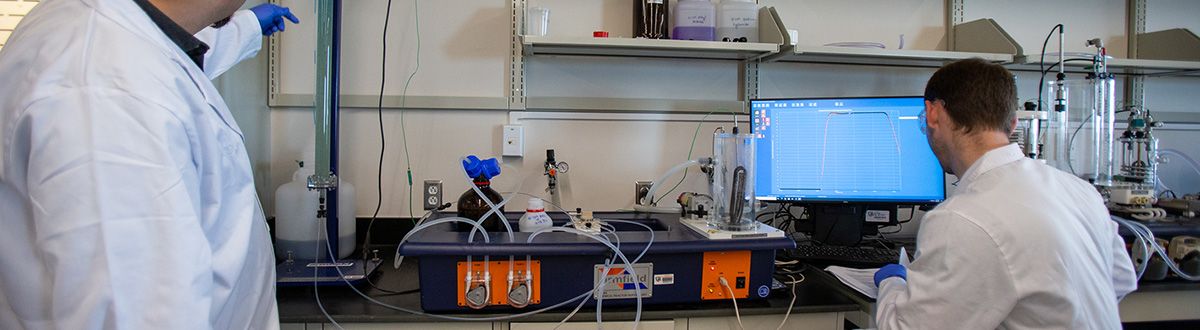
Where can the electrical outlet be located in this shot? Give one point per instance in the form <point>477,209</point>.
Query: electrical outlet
<point>641,188</point>
<point>514,141</point>
<point>433,194</point>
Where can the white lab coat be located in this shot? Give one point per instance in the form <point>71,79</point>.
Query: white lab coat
<point>1020,245</point>
<point>126,194</point>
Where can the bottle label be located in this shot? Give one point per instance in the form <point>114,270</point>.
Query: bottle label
<point>744,22</point>
<point>543,219</point>
<point>534,221</point>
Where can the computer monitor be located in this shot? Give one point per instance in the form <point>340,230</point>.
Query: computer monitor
<point>867,153</point>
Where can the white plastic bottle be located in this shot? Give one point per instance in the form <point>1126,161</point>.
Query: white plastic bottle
<point>296,219</point>
<point>737,21</point>
<point>695,20</point>
<point>535,217</point>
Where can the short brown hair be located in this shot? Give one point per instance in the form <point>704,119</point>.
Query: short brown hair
<point>977,94</point>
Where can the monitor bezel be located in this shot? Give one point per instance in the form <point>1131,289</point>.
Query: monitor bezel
<point>750,107</point>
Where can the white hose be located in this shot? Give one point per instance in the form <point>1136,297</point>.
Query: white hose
<point>1147,214</point>
<point>493,206</point>
<point>655,209</point>
<point>598,283</point>
<point>637,318</point>
<point>455,318</point>
<point>400,258</point>
<point>649,198</point>
<point>603,283</point>
<point>1148,242</point>
<point>1190,161</point>
<point>607,265</point>
<point>485,319</point>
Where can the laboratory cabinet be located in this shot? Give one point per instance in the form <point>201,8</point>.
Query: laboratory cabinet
<point>833,321</point>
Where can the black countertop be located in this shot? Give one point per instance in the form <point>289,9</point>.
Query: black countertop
<point>298,304</point>
<point>819,293</point>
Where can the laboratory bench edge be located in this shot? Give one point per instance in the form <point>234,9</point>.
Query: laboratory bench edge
<point>298,304</point>
<point>819,293</point>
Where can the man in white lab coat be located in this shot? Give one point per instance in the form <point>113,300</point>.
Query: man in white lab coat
<point>1020,245</point>
<point>126,196</point>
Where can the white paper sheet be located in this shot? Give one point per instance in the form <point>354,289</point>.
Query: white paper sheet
<point>861,280</point>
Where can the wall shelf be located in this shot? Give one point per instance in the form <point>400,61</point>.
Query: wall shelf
<point>660,48</point>
<point>1136,67</point>
<point>632,105</point>
<point>393,102</point>
<point>879,57</point>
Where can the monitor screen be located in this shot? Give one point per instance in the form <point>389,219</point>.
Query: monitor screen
<point>844,150</point>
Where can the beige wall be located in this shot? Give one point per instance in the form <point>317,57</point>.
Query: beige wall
<point>461,56</point>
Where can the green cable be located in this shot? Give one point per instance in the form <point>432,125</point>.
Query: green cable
<point>689,157</point>
<point>403,109</point>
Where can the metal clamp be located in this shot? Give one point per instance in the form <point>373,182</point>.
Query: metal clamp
<point>329,181</point>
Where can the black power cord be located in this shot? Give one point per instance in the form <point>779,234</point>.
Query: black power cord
<point>1042,63</point>
<point>382,136</point>
<point>382,148</point>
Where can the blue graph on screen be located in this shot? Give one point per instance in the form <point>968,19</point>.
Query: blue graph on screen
<point>860,149</point>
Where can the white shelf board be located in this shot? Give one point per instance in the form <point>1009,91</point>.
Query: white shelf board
<point>605,104</point>
<point>1030,62</point>
<point>877,56</point>
<point>630,47</point>
<point>394,101</point>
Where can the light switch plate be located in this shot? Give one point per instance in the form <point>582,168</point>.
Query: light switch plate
<point>514,141</point>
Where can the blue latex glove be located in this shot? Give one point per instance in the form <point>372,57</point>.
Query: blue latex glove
<point>890,270</point>
<point>270,17</point>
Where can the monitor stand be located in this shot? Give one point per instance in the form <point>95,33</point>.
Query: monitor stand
<point>846,224</point>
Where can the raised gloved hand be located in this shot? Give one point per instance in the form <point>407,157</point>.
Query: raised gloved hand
<point>890,270</point>
<point>270,17</point>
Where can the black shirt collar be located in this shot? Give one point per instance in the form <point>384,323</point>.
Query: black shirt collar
<point>194,48</point>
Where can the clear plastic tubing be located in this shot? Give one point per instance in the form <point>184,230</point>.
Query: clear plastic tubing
<point>423,226</point>
<point>658,182</point>
<point>454,318</point>
<point>1147,237</point>
<point>637,318</point>
<point>1191,161</point>
<point>529,270</point>
<point>495,208</point>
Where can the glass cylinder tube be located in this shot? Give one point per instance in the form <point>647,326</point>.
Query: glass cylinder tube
<point>733,182</point>
<point>1082,138</point>
<point>323,104</point>
<point>1104,121</point>
<point>1055,148</point>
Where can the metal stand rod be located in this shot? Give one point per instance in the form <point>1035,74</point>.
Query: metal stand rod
<point>325,113</point>
<point>331,224</point>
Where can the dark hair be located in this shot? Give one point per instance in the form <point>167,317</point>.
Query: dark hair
<point>977,94</point>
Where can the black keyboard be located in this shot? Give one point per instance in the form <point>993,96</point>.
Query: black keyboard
<point>845,255</point>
